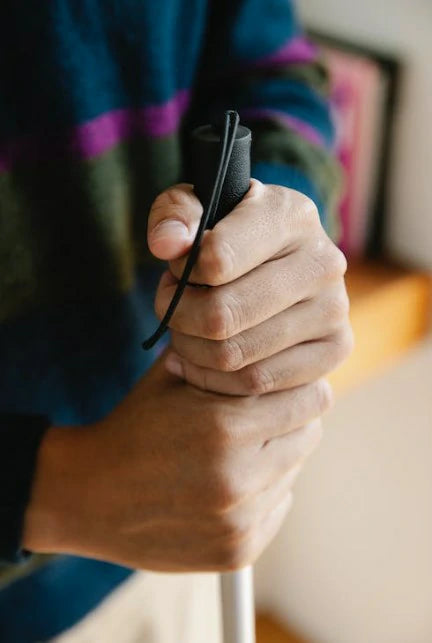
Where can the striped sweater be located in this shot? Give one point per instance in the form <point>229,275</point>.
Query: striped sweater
<point>97,98</point>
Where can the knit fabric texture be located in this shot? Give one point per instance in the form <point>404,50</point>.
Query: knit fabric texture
<point>97,100</point>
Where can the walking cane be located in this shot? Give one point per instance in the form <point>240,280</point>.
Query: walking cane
<point>238,614</point>
<point>220,165</point>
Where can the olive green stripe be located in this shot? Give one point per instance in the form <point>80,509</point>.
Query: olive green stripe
<point>313,75</point>
<point>73,229</point>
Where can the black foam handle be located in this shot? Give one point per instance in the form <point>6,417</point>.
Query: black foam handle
<point>206,143</point>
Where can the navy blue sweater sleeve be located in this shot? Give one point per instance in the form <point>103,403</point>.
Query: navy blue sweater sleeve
<point>258,60</point>
<point>20,438</point>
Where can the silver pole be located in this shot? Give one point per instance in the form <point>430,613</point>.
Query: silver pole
<point>238,609</point>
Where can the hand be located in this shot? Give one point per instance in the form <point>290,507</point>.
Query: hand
<point>276,316</point>
<point>174,479</point>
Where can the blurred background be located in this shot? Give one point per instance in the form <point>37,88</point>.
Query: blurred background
<point>353,563</point>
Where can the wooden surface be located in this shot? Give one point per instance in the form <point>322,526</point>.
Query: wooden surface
<point>390,312</point>
<point>268,631</point>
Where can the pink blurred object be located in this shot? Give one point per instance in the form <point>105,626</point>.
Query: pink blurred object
<point>357,97</point>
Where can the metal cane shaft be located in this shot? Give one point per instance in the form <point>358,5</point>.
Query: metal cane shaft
<point>238,608</point>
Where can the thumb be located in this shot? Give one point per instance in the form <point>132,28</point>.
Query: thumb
<point>173,222</point>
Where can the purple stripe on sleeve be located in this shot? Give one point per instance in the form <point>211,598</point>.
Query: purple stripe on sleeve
<point>98,135</point>
<point>305,130</point>
<point>297,50</point>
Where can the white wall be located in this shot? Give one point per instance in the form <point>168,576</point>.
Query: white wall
<point>353,563</point>
<point>403,27</point>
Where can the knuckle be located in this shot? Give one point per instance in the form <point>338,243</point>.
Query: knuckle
<point>308,209</point>
<point>257,379</point>
<point>336,262</point>
<point>330,262</point>
<point>225,493</point>
<point>336,307</point>
<point>302,210</point>
<point>276,197</point>
<point>176,200</point>
<point>175,195</point>
<point>216,260</point>
<point>219,319</point>
<point>230,354</point>
<point>161,200</point>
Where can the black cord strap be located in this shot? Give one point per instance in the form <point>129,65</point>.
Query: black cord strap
<point>227,143</point>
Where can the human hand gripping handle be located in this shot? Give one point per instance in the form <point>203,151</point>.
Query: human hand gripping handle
<point>211,471</point>
<point>273,324</point>
<point>221,160</point>
<point>205,447</point>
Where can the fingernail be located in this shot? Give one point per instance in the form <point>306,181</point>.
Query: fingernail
<point>170,228</point>
<point>173,365</point>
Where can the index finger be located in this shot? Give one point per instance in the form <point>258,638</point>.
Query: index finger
<point>269,222</point>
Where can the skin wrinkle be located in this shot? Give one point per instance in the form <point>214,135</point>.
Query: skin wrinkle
<point>163,420</point>
<point>267,335</point>
<point>190,306</point>
<point>207,426</point>
<point>284,214</point>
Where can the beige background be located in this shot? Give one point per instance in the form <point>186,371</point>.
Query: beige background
<point>353,563</point>
<point>402,27</point>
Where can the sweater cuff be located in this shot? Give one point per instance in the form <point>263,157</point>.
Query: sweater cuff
<point>20,437</point>
<point>290,177</point>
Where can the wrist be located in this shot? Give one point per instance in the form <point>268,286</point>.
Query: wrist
<point>55,512</point>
